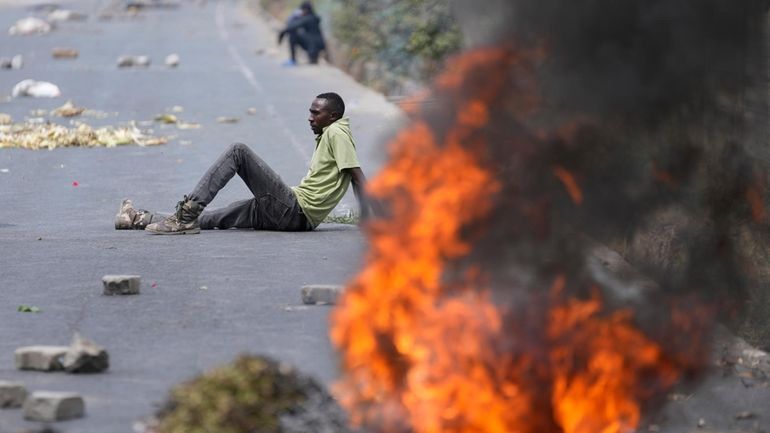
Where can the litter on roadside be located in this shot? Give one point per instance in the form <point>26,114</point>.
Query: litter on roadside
<point>35,89</point>
<point>30,26</point>
<point>64,53</point>
<point>66,15</point>
<point>224,119</point>
<point>50,136</point>
<point>172,60</point>
<point>129,61</point>
<point>15,62</point>
<point>166,118</point>
<point>68,110</point>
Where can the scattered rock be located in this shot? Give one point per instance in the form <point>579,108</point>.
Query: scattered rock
<point>125,61</point>
<point>64,53</point>
<point>251,111</point>
<point>188,125</point>
<point>172,60</point>
<point>43,429</point>
<point>321,293</point>
<point>744,415</point>
<point>141,61</point>
<point>68,110</point>
<point>701,423</point>
<point>133,61</point>
<point>66,15</point>
<point>12,394</point>
<point>85,356</point>
<point>41,358</point>
<point>36,89</point>
<point>30,26</point>
<point>15,62</point>
<point>224,119</point>
<point>121,284</point>
<point>48,406</point>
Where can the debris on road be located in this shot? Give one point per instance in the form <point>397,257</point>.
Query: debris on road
<point>188,125</point>
<point>36,136</point>
<point>251,111</point>
<point>121,284</point>
<point>28,309</point>
<point>48,406</point>
<point>129,61</point>
<point>166,118</point>
<point>68,110</point>
<point>85,356</point>
<point>224,119</point>
<point>66,15</point>
<point>744,415</point>
<point>35,89</point>
<point>172,60</point>
<point>41,358</point>
<point>12,394</point>
<point>177,109</point>
<point>30,26</point>
<point>15,62</point>
<point>321,294</point>
<point>5,119</point>
<point>64,53</point>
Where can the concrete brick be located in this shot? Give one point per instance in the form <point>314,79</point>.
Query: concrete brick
<point>49,406</point>
<point>321,293</point>
<point>85,356</point>
<point>121,284</point>
<point>44,358</point>
<point>12,394</point>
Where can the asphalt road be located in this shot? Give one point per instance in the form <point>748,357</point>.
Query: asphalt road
<point>57,240</point>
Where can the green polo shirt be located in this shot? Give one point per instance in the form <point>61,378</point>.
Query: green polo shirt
<point>325,184</point>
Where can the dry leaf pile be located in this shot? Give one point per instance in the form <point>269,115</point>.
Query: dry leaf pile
<point>50,136</point>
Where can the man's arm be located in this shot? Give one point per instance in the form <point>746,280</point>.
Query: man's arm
<point>359,188</point>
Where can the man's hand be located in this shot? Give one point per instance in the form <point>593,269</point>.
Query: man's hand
<point>365,202</point>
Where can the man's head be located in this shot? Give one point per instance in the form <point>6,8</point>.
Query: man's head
<point>326,109</point>
<point>306,7</point>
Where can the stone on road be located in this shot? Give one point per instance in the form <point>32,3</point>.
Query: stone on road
<point>42,358</point>
<point>12,394</point>
<point>321,293</point>
<point>121,284</point>
<point>50,406</point>
<point>85,356</point>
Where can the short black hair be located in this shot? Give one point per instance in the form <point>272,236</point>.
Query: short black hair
<point>334,102</point>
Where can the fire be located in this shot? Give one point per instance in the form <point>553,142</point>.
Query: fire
<point>425,347</point>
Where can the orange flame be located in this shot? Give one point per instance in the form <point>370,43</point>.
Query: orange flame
<point>425,353</point>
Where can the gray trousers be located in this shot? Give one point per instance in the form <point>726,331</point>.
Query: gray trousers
<point>273,207</point>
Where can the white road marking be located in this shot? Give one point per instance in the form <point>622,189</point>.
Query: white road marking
<point>251,78</point>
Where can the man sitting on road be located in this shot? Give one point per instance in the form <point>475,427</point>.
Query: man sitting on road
<point>275,206</point>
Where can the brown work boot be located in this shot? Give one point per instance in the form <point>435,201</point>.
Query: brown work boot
<point>129,218</point>
<point>183,222</point>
